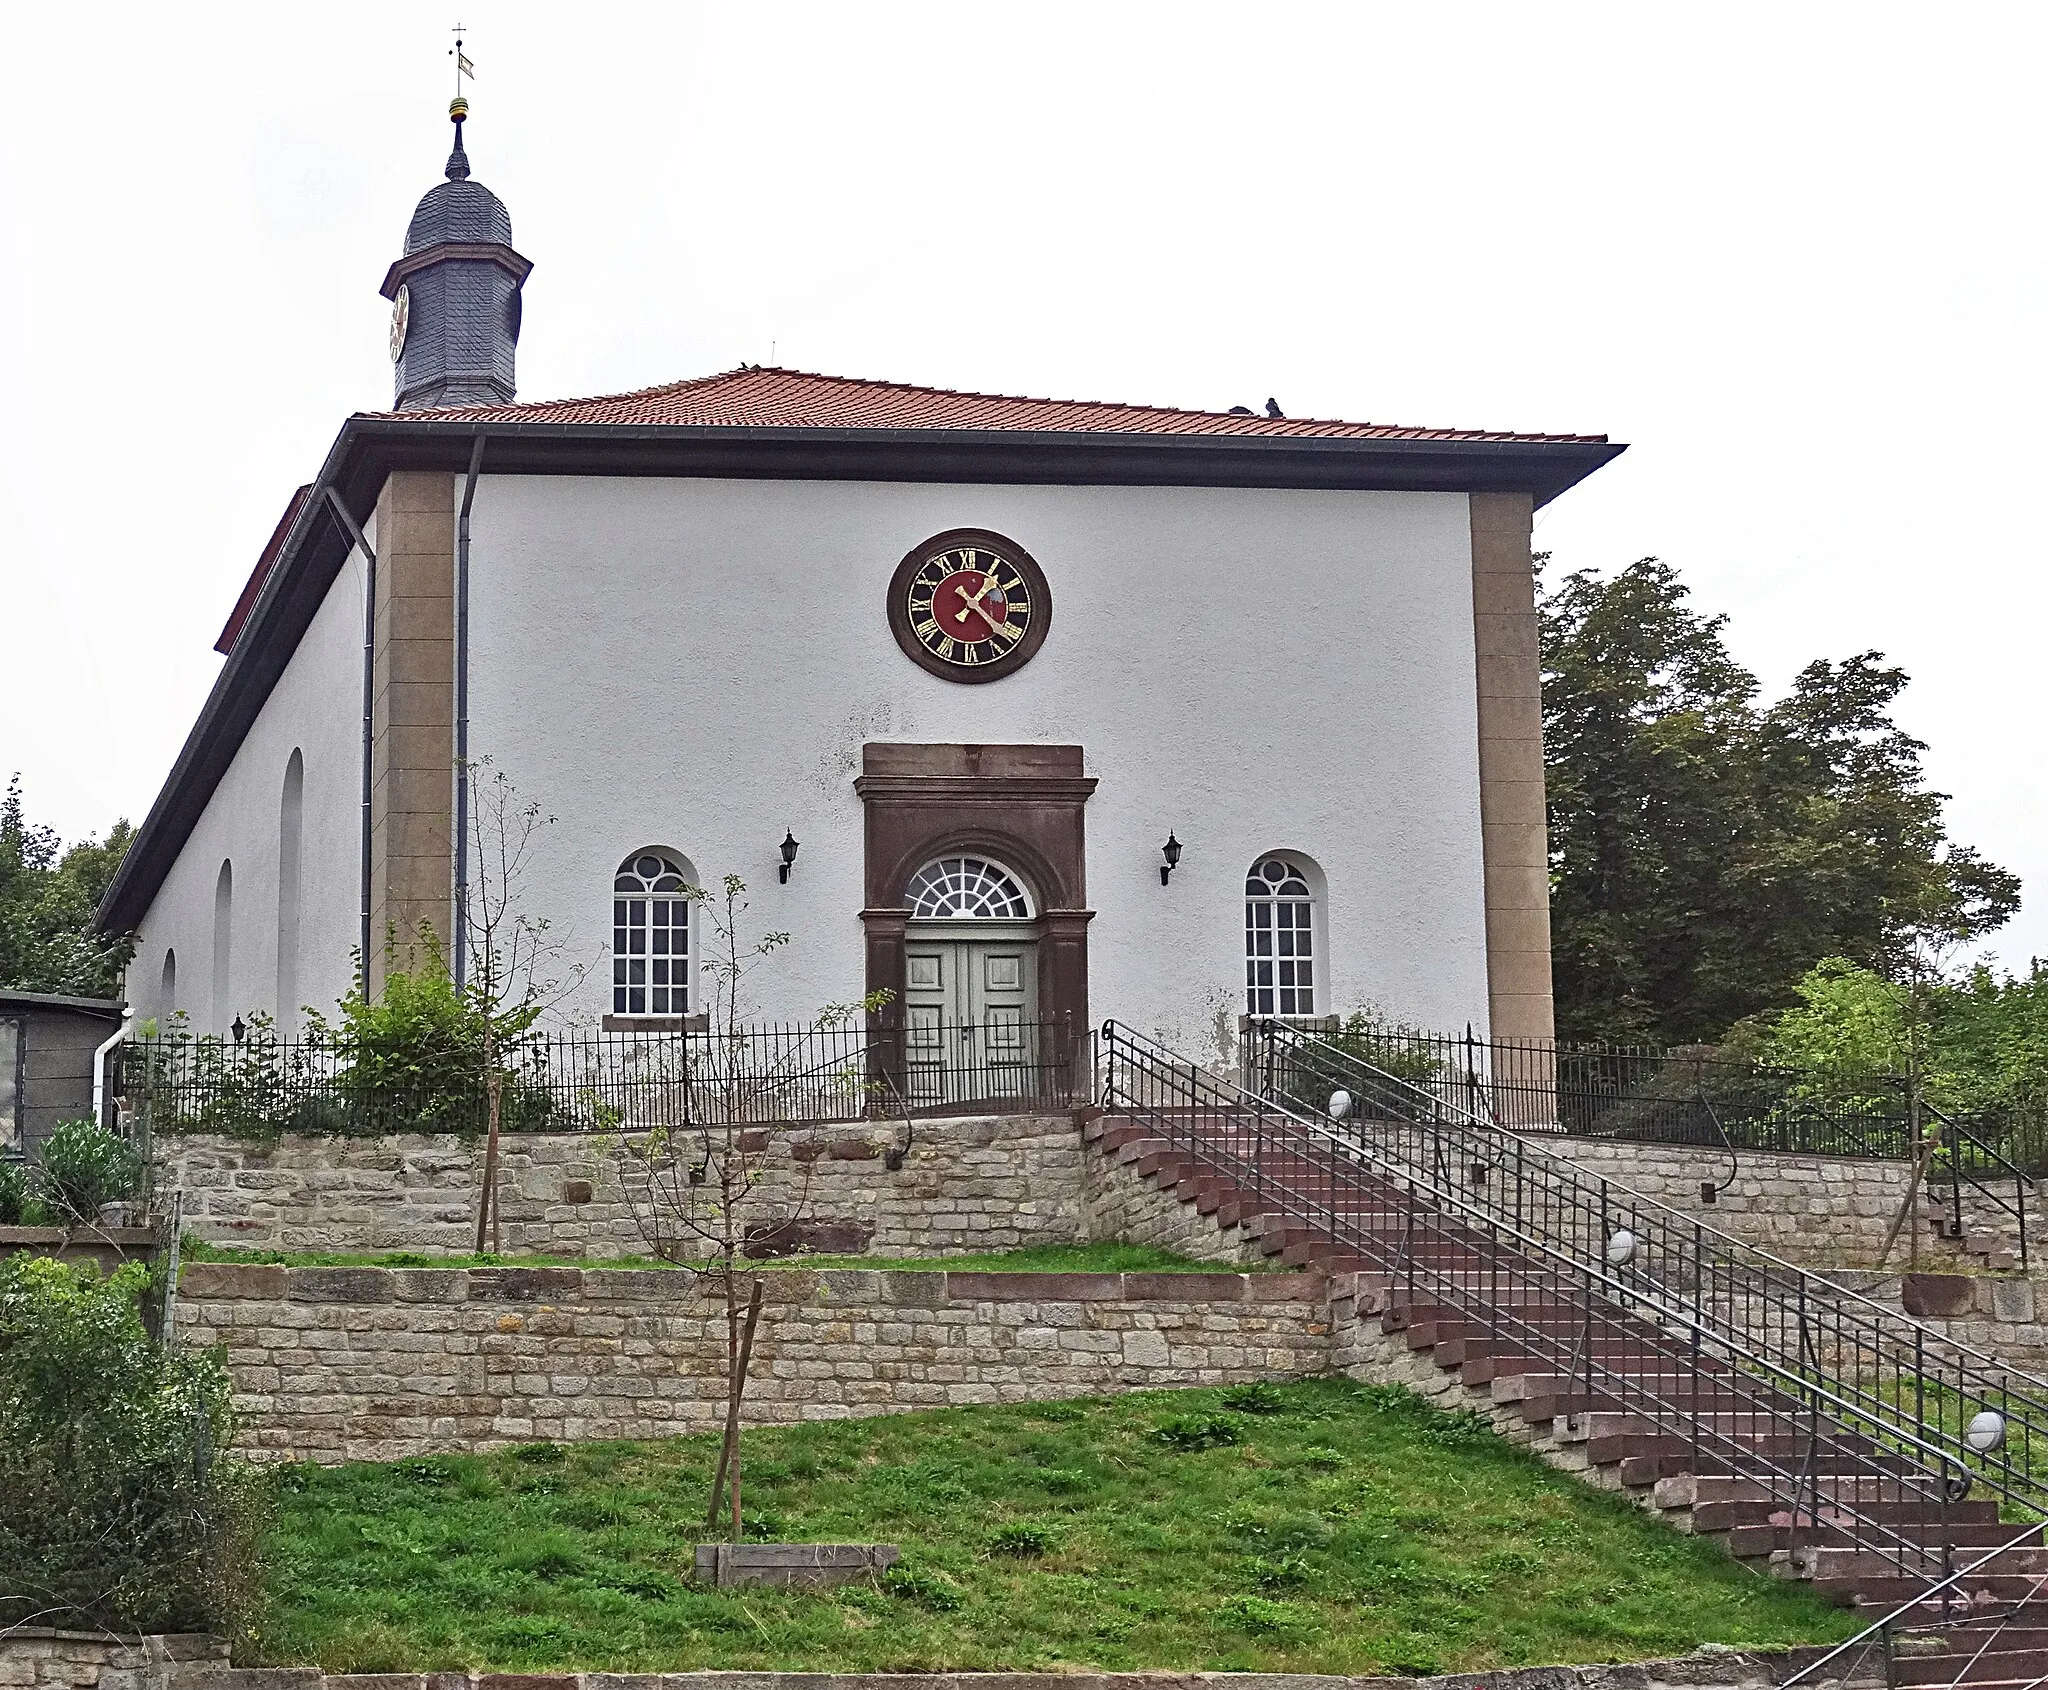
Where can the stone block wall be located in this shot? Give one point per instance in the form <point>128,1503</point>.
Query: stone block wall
<point>1135,1211</point>
<point>1819,1211</point>
<point>1709,1668</point>
<point>986,1183</point>
<point>337,1364</point>
<point>36,1658</point>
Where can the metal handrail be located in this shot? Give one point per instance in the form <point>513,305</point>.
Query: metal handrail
<point>1508,1261</point>
<point>1917,1600</point>
<point>1526,1147</point>
<point>1957,1135</point>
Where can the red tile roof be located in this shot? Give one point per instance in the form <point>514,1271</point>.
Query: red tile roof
<point>754,397</point>
<point>260,574</point>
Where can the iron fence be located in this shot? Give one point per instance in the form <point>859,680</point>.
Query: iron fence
<point>262,1087</point>
<point>1698,1095</point>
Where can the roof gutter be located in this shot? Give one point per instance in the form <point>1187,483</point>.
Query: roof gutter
<point>355,535</point>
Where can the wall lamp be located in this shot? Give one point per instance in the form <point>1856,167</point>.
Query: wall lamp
<point>1171,852</point>
<point>789,850</point>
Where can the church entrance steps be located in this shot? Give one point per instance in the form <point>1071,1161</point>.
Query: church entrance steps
<point>1533,1318</point>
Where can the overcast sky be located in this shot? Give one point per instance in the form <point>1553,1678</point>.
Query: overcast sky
<point>1790,254</point>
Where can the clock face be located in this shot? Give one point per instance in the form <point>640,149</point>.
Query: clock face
<point>969,605</point>
<point>401,314</point>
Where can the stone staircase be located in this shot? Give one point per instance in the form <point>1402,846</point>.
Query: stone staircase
<point>1631,1401</point>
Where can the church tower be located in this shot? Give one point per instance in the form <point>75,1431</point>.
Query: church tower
<point>455,294</point>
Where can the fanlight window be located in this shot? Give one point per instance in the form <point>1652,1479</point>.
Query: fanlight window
<point>1279,943</point>
<point>650,936</point>
<point>966,889</point>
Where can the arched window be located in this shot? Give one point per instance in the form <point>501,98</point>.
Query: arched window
<point>1279,940</point>
<point>223,946</point>
<point>650,936</point>
<point>167,1005</point>
<point>966,889</point>
<point>291,812</point>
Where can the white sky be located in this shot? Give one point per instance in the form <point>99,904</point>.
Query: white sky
<point>1791,254</point>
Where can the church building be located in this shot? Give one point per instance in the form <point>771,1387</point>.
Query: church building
<point>1033,709</point>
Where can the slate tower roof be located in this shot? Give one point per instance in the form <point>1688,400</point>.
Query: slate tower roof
<point>455,294</point>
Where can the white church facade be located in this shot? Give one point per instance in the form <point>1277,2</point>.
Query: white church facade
<point>1050,710</point>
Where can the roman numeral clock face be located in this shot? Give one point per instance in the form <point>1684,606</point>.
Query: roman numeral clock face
<point>969,605</point>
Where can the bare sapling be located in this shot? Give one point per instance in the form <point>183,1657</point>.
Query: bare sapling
<point>694,1184</point>
<point>513,960</point>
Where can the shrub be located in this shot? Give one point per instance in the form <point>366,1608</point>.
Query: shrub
<point>1256,1398</point>
<point>927,1590</point>
<point>539,1455</point>
<point>118,1505</point>
<point>1020,1539</point>
<point>85,1165</point>
<point>1457,1428</point>
<point>1197,1431</point>
<point>15,1194</point>
<point>1259,1616</point>
<point>1285,1572</point>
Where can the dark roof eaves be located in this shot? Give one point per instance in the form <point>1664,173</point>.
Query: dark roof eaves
<point>356,468</point>
<point>1543,468</point>
<point>237,697</point>
<point>107,1008</point>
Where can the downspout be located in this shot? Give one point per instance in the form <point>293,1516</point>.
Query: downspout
<point>369,682</point>
<point>461,946</point>
<point>99,1065</point>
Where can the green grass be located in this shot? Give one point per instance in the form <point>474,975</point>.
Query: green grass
<point>1035,1258</point>
<point>1322,1526</point>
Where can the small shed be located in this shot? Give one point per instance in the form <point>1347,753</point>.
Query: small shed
<point>46,1062</point>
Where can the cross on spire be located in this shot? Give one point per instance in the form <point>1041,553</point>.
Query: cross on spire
<point>462,65</point>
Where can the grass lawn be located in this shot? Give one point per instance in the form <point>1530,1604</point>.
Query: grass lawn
<point>1035,1258</point>
<point>1322,1526</point>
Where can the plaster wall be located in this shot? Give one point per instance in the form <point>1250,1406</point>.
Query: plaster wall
<point>315,708</point>
<point>697,664</point>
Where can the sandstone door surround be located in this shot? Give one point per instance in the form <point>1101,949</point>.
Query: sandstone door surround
<point>1021,804</point>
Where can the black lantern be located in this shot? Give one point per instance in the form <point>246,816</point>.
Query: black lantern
<point>238,1029</point>
<point>1171,852</point>
<point>789,850</point>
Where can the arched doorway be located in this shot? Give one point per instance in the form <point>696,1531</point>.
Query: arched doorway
<point>1002,944</point>
<point>970,966</point>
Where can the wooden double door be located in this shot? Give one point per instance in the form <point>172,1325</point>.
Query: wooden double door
<point>971,1012</point>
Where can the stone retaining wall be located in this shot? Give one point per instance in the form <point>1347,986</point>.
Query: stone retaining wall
<point>1821,1211</point>
<point>987,1183</point>
<point>336,1364</point>
<point>36,1658</point>
<point>1709,1668</point>
<point>1135,1211</point>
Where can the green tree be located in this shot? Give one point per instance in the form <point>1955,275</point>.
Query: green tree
<point>48,896</point>
<point>1706,850</point>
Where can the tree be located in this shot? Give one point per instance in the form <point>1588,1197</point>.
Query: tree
<point>1707,851</point>
<point>48,898</point>
<point>693,1183</point>
<point>511,953</point>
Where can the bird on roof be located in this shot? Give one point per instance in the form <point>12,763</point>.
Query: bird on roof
<point>1273,408</point>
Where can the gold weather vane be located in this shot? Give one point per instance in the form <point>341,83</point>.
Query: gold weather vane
<point>462,65</point>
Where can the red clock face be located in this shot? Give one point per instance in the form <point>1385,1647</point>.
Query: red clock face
<point>969,606</point>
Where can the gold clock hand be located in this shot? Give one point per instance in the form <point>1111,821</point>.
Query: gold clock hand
<point>975,605</point>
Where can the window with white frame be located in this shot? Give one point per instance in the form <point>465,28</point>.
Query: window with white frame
<point>966,888</point>
<point>650,936</point>
<point>1279,940</point>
